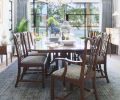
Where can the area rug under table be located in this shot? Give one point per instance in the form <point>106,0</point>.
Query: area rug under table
<point>34,91</point>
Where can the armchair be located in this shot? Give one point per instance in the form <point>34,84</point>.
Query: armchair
<point>78,74</point>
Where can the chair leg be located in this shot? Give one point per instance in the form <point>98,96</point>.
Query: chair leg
<point>52,88</point>
<point>82,95</point>
<point>6,61</point>
<point>43,77</point>
<point>1,58</point>
<point>105,71</point>
<point>71,87</point>
<point>101,71</point>
<point>94,87</point>
<point>11,56</point>
<point>18,76</point>
<point>24,71</point>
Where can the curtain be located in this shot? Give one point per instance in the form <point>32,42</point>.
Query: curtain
<point>106,14</point>
<point>21,9</point>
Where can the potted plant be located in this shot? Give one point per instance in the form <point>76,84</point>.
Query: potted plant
<point>22,25</point>
<point>52,20</point>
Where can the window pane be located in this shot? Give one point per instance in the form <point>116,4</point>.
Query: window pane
<point>94,8</point>
<point>76,20</point>
<point>92,20</point>
<point>76,9</point>
<point>78,31</point>
<point>56,11</point>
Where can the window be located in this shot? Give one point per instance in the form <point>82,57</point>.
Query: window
<point>40,16</point>
<point>83,16</point>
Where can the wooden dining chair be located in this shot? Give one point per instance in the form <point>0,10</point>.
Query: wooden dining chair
<point>78,74</point>
<point>29,45</point>
<point>27,62</point>
<point>102,57</point>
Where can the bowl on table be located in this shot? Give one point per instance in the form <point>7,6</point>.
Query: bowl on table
<point>68,42</point>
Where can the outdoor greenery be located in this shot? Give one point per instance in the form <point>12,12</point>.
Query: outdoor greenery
<point>22,25</point>
<point>52,20</point>
<point>79,15</point>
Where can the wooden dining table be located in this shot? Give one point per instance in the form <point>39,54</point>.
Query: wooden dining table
<point>58,49</point>
<point>45,46</point>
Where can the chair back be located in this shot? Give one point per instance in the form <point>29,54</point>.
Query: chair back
<point>105,44</point>
<point>20,49</point>
<point>92,34</point>
<point>94,46</point>
<point>28,41</point>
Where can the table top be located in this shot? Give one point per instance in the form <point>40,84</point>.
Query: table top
<point>45,45</point>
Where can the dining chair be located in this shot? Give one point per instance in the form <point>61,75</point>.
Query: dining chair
<point>26,62</point>
<point>78,74</point>
<point>29,44</point>
<point>102,57</point>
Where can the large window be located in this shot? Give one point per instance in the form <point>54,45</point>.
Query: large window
<point>83,16</point>
<point>39,17</point>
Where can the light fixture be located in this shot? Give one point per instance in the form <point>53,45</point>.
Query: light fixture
<point>116,13</point>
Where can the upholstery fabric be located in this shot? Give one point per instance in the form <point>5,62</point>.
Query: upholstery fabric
<point>73,71</point>
<point>36,53</point>
<point>33,60</point>
<point>100,59</point>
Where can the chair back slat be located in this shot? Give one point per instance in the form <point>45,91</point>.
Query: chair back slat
<point>105,44</point>
<point>28,40</point>
<point>18,44</point>
<point>91,62</point>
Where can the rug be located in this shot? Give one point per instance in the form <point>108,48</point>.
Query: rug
<point>34,91</point>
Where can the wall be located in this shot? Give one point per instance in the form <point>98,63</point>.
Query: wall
<point>21,9</point>
<point>116,8</point>
<point>4,25</point>
<point>116,19</point>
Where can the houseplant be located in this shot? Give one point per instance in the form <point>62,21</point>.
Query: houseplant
<point>22,25</point>
<point>52,20</point>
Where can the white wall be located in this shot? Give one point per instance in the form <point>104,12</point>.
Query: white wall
<point>116,19</point>
<point>4,26</point>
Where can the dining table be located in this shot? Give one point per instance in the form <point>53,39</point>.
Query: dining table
<point>60,48</point>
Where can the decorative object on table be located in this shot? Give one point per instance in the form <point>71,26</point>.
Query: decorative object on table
<point>65,30</point>
<point>65,27</point>
<point>53,39</point>
<point>68,42</point>
<point>53,25</point>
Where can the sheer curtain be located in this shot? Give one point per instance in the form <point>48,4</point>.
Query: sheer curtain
<point>21,9</point>
<point>106,14</point>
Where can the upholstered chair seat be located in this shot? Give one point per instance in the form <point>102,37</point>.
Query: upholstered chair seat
<point>73,71</point>
<point>33,60</point>
<point>100,59</point>
<point>36,53</point>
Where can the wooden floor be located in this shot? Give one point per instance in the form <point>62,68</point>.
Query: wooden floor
<point>33,91</point>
